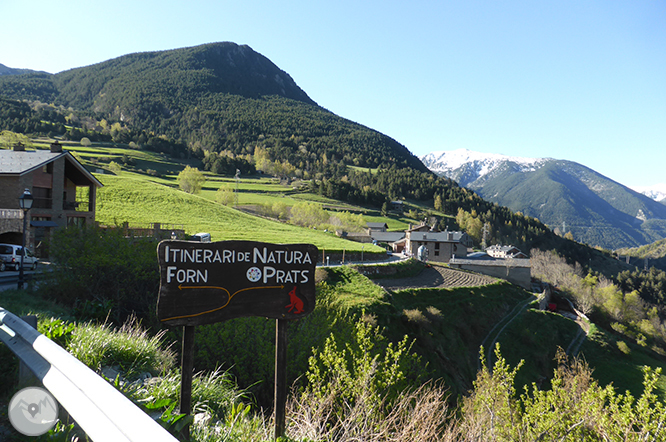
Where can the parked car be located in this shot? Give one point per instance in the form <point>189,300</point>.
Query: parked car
<point>10,258</point>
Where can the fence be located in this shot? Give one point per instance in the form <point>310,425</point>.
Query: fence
<point>98,408</point>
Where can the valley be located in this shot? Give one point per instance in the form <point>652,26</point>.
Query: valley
<point>383,338</point>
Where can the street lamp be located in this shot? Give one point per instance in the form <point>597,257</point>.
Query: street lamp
<point>25,203</point>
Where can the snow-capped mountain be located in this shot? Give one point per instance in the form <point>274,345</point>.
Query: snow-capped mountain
<point>466,166</point>
<point>656,192</point>
<point>563,194</point>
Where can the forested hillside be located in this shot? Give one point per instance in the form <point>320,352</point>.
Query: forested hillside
<point>565,195</point>
<point>216,97</point>
<point>233,109</point>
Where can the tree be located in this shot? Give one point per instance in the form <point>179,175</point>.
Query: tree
<point>9,139</point>
<point>438,202</point>
<point>191,180</point>
<point>385,209</point>
<point>225,196</point>
<point>85,142</point>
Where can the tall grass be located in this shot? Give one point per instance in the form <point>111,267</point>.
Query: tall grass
<point>419,415</point>
<point>131,349</point>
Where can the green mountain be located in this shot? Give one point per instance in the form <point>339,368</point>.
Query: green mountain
<point>215,97</point>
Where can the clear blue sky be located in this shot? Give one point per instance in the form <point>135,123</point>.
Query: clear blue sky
<point>577,80</point>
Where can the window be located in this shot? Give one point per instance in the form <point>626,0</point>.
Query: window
<point>41,197</point>
<point>76,221</point>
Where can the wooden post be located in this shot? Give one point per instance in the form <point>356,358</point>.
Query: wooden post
<point>280,402</point>
<point>186,369</point>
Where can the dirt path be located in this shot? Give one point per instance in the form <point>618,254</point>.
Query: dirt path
<point>438,277</point>
<point>505,321</point>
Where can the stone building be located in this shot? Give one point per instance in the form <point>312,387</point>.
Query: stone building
<point>64,194</point>
<point>441,246</point>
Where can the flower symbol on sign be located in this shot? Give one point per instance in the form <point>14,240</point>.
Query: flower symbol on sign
<point>253,274</point>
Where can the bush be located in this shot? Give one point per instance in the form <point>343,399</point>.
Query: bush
<point>191,180</point>
<point>365,368</point>
<point>102,267</point>
<point>225,196</point>
<point>115,168</point>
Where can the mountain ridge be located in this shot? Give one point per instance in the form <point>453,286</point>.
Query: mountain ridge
<point>656,192</point>
<point>6,70</point>
<point>216,97</point>
<point>563,194</point>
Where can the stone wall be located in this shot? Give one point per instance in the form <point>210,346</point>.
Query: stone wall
<point>516,271</point>
<point>11,221</point>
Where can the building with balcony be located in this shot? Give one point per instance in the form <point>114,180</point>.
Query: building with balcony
<point>64,194</point>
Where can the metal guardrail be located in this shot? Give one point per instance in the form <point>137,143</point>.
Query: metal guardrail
<point>98,408</point>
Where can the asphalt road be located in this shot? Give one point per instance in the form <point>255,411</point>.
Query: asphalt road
<point>9,279</point>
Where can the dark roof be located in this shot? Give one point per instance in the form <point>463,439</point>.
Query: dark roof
<point>503,248</point>
<point>22,162</point>
<point>387,236</point>
<point>493,262</point>
<point>18,163</point>
<point>377,225</point>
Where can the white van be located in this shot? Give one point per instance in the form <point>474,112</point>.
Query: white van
<point>10,258</point>
<point>201,237</point>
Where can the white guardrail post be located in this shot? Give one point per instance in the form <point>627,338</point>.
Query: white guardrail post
<point>103,412</point>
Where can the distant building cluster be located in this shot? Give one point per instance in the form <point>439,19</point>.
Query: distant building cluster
<point>428,244</point>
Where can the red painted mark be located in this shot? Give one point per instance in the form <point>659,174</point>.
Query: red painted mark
<point>296,302</point>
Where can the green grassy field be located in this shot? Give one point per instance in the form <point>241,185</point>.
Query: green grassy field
<point>140,201</point>
<point>538,333</point>
<point>252,190</point>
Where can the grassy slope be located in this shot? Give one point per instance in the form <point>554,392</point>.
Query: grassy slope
<point>624,371</point>
<point>140,201</point>
<point>449,325</point>
<point>251,190</point>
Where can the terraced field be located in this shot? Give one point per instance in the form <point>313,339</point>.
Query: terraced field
<point>438,277</point>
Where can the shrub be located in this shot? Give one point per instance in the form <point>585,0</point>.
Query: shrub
<point>103,267</point>
<point>364,369</point>
<point>225,196</point>
<point>191,180</point>
<point>115,167</point>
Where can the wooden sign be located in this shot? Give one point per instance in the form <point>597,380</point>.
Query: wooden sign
<point>203,283</point>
